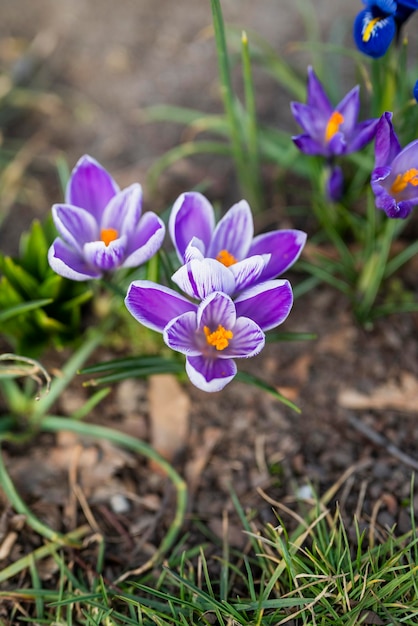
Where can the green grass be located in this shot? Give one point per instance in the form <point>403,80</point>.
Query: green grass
<point>306,571</point>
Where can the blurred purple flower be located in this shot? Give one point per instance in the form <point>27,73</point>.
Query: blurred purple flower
<point>246,259</point>
<point>100,227</point>
<point>216,331</point>
<point>395,176</point>
<point>330,131</point>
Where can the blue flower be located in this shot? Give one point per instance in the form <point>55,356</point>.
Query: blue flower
<point>415,91</point>
<point>377,25</point>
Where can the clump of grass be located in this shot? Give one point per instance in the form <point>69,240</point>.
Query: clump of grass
<point>313,574</point>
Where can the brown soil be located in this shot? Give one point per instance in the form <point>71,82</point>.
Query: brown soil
<point>357,390</point>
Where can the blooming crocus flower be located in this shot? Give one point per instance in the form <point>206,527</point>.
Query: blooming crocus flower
<point>247,259</point>
<point>330,131</point>
<point>376,26</point>
<point>395,176</point>
<point>100,227</point>
<point>214,332</point>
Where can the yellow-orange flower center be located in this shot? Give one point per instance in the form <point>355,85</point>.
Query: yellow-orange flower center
<point>333,126</point>
<point>219,338</point>
<point>410,177</point>
<point>226,258</point>
<point>108,234</point>
<point>367,33</point>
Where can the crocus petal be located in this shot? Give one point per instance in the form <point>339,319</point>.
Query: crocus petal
<point>217,308</point>
<point>363,133</point>
<point>191,216</point>
<point>406,159</point>
<point>103,257</point>
<point>248,271</point>
<point>155,306</point>
<point>76,226</point>
<point>268,304</point>
<point>248,340</point>
<point>195,250</point>
<point>69,263</point>
<point>124,210</point>
<point>349,107</point>
<point>284,247</point>
<point>180,334</point>
<point>200,278</point>
<point>233,232</point>
<point>312,121</point>
<point>317,98</point>
<point>310,146</point>
<point>90,187</point>
<point>387,145</point>
<point>146,241</point>
<point>210,374</point>
<point>335,183</point>
<point>373,37</point>
<point>337,145</point>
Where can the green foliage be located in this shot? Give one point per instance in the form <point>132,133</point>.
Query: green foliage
<point>306,571</point>
<point>38,307</point>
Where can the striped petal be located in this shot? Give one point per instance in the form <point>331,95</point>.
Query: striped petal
<point>191,216</point>
<point>210,374</point>
<point>90,187</point>
<point>155,306</point>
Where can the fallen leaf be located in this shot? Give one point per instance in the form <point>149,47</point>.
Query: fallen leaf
<point>201,456</point>
<point>401,396</point>
<point>169,408</point>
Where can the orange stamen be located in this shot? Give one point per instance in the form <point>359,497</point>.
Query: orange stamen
<point>108,234</point>
<point>410,177</point>
<point>226,258</point>
<point>219,338</point>
<point>333,126</point>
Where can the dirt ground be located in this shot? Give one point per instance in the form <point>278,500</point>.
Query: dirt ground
<point>357,389</point>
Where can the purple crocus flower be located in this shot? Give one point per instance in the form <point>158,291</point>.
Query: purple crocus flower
<point>214,332</point>
<point>330,131</point>
<point>395,176</point>
<point>247,259</point>
<point>100,227</point>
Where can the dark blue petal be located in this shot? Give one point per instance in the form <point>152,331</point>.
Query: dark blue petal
<point>373,34</point>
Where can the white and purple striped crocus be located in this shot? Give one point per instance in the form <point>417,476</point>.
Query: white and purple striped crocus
<point>214,332</point>
<point>100,227</point>
<point>245,260</point>
<point>394,179</point>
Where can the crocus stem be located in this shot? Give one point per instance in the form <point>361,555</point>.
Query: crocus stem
<point>230,105</point>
